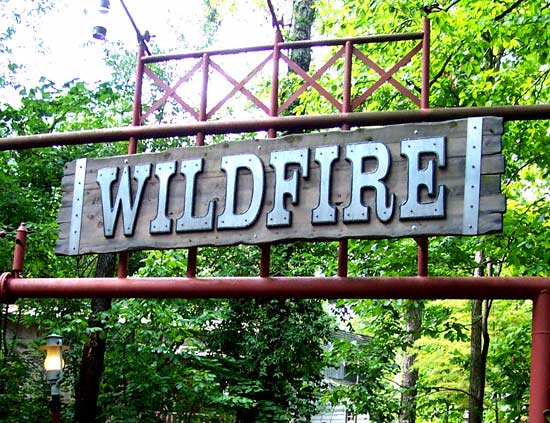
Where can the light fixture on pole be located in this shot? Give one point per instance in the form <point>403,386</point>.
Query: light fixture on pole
<point>100,29</point>
<point>100,25</point>
<point>53,364</point>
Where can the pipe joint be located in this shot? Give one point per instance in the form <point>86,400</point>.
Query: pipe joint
<point>5,296</point>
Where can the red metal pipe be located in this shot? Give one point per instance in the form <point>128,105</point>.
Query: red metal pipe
<point>122,271</point>
<point>346,97</point>
<point>539,404</point>
<point>265,260</point>
<point>425,90</point>
<point>281,123</point>
<point>136,109</point>
<point>422,254</point>
<point>19,250</point>
<point>274,96</point>
<point>265,249</point>
<point>407,287</point>
<point>203,115</point>
<point>342,271</point>
<point>192,262</point>
<point>382,38</point>
<point>199,140</point>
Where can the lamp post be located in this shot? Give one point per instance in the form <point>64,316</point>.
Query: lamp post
<point>53,364</point>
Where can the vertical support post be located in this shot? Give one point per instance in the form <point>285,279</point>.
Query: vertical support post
<point>136,109</point>
<point>342,258</point>
<point>132,144</point>
<point>191,262</point>
<point>424,104</point>
<point>539,404</point>
<point>55,409</point>
<point>425,90</point>
<point>265,249</point>
<point>199,140</point>
<point>19,250</point>
<point>122,271</point>
<point>346,108</point>
<point>274,98</point>
<point>203,116</point>
<point>422,252</point>
<point>346,96</point>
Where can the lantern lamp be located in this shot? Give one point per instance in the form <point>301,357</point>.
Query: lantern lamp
<point>54,363</point>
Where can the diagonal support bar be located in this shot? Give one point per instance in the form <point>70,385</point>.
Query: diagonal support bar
<point>240,87</point>
<point>314,77</point>
<point>312,82</point>
<point>175,96</point>
<point>170,92</point>
<point>387,76</point>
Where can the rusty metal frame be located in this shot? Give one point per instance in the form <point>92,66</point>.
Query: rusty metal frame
<point>282,123</point>
<point>205,62</point>
<point>537,289</point>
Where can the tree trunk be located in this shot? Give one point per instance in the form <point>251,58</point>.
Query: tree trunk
<point>407,411</point>
<point>303,13</point>
<point>479,348</point>
<point>93,353</point>
<point>246,416</point>
<point>475,406</point>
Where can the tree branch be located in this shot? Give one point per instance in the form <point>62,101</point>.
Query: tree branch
<point>433,389</point>
<point>454,3</point>
<point>444,66</point>
<point>510,9</point>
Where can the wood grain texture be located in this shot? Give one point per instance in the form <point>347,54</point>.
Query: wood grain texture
<point>211,185</point>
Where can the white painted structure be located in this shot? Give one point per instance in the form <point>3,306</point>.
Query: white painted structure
<point>338,414</point>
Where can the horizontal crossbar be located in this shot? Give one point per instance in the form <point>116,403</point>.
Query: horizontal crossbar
<point>285,123</point>
<point>408,287</point>
<point>368,39</point>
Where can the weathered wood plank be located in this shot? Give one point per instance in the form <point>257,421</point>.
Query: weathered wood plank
<point>211,185</point>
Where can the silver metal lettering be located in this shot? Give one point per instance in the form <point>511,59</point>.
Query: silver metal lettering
<point>162,224</point>
<point>418,179</point>
<point>279,215</point>
<point>187,222</point>
<point>105,178</point>
<point>324,212</point>
<point>356,211</point>
<point>229,219</point>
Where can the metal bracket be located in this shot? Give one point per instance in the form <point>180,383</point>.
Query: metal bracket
<point>78,205</point>
<point>472,178</point>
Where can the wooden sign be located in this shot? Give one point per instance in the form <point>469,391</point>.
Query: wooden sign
<point>395,181</point>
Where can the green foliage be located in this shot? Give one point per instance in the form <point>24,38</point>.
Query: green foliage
<point>31,194</point>
<point>266,356</point>
<point>272,354</point>
<point>478,57</point>
<point>157,362</point>
<point>371,364</point>
<point>221,359</point>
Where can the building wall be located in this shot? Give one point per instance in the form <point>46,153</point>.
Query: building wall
<point>338,414</point>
